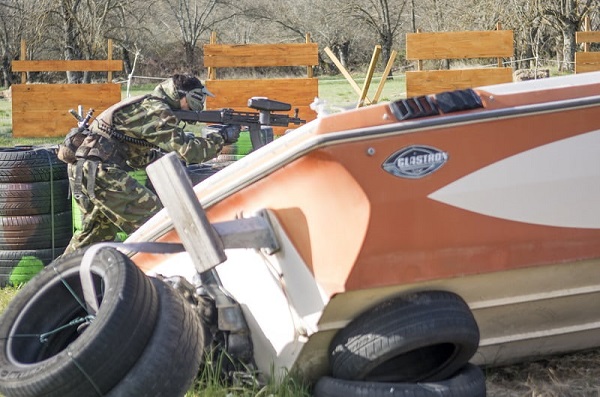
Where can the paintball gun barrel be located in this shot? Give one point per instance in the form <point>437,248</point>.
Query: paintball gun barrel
<point>252,120</point>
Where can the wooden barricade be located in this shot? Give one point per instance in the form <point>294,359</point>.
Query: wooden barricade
<point>587,60</point>
<point>457,45</point>
<point>234,93</point>
<point>42,110</point>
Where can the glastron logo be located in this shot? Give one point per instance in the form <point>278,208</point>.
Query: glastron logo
<point>415,161</point>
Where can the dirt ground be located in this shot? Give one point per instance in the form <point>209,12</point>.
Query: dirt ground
<point>573,375</point>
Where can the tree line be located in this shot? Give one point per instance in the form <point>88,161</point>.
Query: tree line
<point>162,37</point>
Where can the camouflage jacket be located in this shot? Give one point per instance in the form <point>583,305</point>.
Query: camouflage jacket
<point>152,119</point>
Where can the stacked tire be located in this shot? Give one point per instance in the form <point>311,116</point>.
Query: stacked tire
<point>35,211</point>
<point>144,340</point>
<point>417,344</point>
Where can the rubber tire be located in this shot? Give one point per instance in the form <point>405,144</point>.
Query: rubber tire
<point>468,382</point>
<point>423,336</point>
<point>72,364</point>
<point>19,266</point>
<point>30,164</point>
<point>199,172</point>
<point>34,198</point>
<point>173,355</point>
<point>36,231</point>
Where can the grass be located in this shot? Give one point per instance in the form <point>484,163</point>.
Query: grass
<point>6,294</point>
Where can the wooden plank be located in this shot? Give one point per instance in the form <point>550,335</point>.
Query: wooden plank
<point>235,93</point>
<point>260,55</point>
<point>587,62</point>
<point>587,37</point>
<point>386,73</point>
<point>369,76</point>
<point>64,66</point>
<point>300,93</point>
<point>41,110</point>
<point>434,81</point>
<point>459,45</point>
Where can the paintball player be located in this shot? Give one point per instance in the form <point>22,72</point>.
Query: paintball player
<point>127,137</point>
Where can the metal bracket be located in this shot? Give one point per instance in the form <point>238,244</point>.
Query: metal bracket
<point>255,232</point>
<point>205,242</point>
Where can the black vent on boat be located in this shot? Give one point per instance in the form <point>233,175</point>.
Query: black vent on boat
<point>453,101</point>
<point>412,108</point>
<point>429,105</point>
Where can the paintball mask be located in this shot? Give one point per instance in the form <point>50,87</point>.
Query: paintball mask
<point>196,98</point>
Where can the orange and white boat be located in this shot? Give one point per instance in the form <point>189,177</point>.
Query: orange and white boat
<point>491,194</point>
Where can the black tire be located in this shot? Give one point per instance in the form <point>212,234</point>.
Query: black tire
<point>34,198</point>
<point>18,267</point>
<point>30,164</point>
<point>83,361</point>
<point>423,336</point>
<point>36,231</point>
<point>468,382</point>
<point>173,355</point>
<point>199,172</point>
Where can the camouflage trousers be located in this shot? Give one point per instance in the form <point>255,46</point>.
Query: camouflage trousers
<point>118,203</point>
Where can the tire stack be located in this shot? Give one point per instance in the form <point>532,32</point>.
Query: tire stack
<point>414,345</point>
<point>35,211</point>
<point>145,339</point>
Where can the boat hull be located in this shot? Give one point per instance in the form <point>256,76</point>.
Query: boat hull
<point>496,203</point>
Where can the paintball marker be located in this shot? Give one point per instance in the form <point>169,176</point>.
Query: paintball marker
<point>252,120</point>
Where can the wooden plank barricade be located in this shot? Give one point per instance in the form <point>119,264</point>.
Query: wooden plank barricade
<point>457,45</point>
<point>300,92</point>
<point>42,110</point>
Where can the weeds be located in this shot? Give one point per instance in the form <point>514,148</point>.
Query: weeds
<point>216,380</point>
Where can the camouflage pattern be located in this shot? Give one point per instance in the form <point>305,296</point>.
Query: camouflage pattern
<point>121,203</point>
<point>152,120</point>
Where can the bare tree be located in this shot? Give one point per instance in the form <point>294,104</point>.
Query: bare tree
<point>384,17</point>
<point>12,21</point>
<point>193,18</point>
<point>566,16</point>
<point>130,28</point>
<point>77,27</point>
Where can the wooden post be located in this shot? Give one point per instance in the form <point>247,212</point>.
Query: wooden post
<point>587,27</point>
<point>386,73</point>
<point>420,61</point>
<point>369,76</point>
<point>110,57</point>
<point>500,60</point>
<point>23,57</point>
<point>309,68</point>
<point>212,72</point>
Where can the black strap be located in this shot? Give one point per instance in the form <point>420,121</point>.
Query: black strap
<point>78,179</point>
<point>91,178</point>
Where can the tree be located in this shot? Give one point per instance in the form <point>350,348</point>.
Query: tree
<point>385,18</point>
<point>566,16</point>
<point>193,18</point>
<point>12,23</point>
